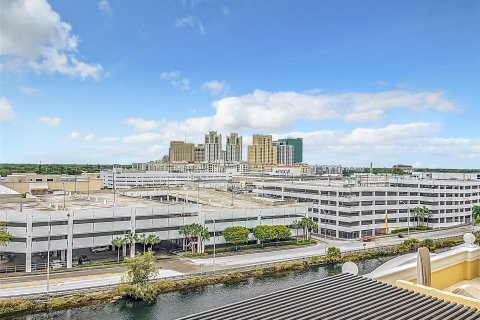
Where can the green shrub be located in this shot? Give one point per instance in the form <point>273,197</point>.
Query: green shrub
<point>410,244</point>
<point>333,255</point>
<point>430,244</point>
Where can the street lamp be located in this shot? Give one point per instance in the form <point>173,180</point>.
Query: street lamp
<point>48,255</point>
<point>63,183</point>
<point>214,245</point>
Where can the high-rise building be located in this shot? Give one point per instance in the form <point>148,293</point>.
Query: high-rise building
<point>234,148</point>
<point>213,146</point>
<point>284,153</point>
<point>199,153</point>
<point>297,144</point>
<point>262,150</point>
<point>181,151</point>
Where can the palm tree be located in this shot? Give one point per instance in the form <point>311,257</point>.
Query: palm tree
<point>131,238</point>
<point>186,231</point>
<point>152,240</point>
<point>196,230</point>
<point>296,225</point>
<point>142,239</point>
<point>204,236</point>
<point>427,214</point>
<point>117,243</point>
<point>307,224</point>
<point>417,213</point>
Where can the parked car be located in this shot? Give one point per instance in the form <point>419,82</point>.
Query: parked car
<point>56,264</point>
<point>400,235</point>
<point>83,259</point>
<point>100,249</point>
<point>367,238</point>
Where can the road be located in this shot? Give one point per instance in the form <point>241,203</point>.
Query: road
<point>79,279</point>
<point>17,287</point>
<point>318,249</point>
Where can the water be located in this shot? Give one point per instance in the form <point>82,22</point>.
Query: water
<point>184,302</point>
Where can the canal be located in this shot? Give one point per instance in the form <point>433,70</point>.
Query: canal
<point>184,302</point>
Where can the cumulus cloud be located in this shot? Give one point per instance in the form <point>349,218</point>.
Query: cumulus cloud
<point>28,90</point>
<point>33,35</point>
<point>49,121</point>
<point>147,137</point>
<point>215,87</point>
<point>264,110</point>
<point>6,111</point>
<point>398,140</point>
<point>108,139</point>
<point>104,6</point>
<point>142,125</point>
<point>74,135</point>
<point>185,21</point>
<point>175,78</point>
<point>90,137</point>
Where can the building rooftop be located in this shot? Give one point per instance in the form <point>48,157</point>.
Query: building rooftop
<point>343,296</point>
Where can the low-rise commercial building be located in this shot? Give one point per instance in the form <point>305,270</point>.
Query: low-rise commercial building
<point>38,184</point>
<point>355,208</point>
<point>88,228</point>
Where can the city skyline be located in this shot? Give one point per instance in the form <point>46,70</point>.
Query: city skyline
<point>109,82</point>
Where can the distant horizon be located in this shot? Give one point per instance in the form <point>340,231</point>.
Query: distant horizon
<point>113,82</point>
<point>310,164</point>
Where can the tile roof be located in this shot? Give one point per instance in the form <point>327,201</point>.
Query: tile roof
<point>340,297</point>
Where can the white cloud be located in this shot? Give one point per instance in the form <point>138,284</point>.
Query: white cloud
<point>174,77</point>
<point>49,121</point>
<point>185,22</point>
<point>264,110</point>
<point>141,124</point>
<point>147,137</point>
<point>169,75</point>
<point>215,87</point>
<point>190,21</point>
<point>6,111</point>
<point>201,29</point>
<point>28,90</point>
<point>108,139</point>
<point>34,35</point>
<point>157,148</point>
<point>104,6</point>
<point>74,135</point>
<point>89,137</point>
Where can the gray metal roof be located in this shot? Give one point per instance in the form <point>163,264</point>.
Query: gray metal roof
<point>339,297</point>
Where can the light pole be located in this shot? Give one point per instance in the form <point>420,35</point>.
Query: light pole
<point>214,245</point>
<point>64,191</point>
<point>408,218</point>
<point>48,256</point>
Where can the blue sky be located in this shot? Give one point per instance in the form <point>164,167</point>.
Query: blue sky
<point>114,81</point>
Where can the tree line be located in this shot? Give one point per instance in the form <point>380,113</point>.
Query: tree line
<point>195,235</point>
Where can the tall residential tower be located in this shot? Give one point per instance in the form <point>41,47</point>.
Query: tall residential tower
<point>213,147</point>
<point>234,148</point>
<point>262,150</point>
<point>297,144</point>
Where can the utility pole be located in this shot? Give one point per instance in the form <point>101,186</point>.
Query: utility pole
<point>64,191</point>
<point>48,256</point>
<point>114,188</point>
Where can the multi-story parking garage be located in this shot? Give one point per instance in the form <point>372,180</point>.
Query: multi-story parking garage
<point>88,228</point>
<point>354,208</point>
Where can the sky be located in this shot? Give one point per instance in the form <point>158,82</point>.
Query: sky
<point>114,81</point>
